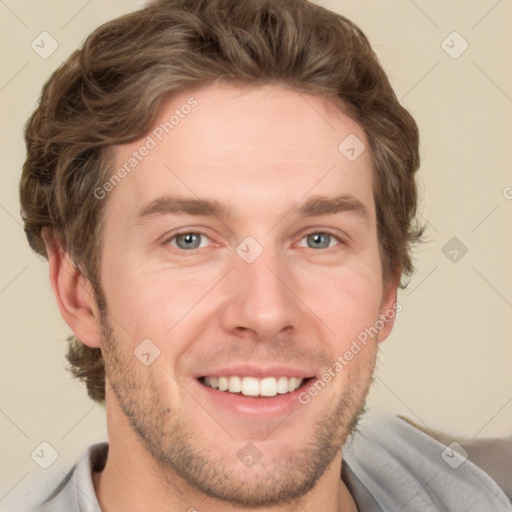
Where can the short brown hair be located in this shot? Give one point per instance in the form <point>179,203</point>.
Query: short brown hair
<point>109,93</point>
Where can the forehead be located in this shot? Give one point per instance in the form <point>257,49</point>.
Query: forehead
<point>254,143</point>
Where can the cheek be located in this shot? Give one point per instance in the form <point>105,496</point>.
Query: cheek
<point>157,304</point>
<point>347,300</point>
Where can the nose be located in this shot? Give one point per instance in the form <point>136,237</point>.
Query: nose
<point>260,298</point>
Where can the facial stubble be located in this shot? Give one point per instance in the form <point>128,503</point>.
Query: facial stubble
<point>173,439</point>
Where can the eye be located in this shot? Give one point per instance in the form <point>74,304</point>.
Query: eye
<point>189,241</point>
<point>319,241</point>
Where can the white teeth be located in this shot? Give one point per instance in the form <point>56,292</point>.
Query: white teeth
<point>294,383</point>
<point>282,385</point>
<point>251,386</point>
<point>268,387</point>
<point>223,383</point>
<point>235,385</point>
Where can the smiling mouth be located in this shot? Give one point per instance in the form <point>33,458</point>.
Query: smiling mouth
<point>253,387</point>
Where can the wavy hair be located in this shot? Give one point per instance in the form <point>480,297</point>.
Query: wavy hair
<point>109,92</point>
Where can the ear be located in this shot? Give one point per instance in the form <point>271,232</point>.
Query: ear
<point>389,307</point>
<point>74,294</point>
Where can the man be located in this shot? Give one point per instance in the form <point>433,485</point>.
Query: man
<point>225,194</point>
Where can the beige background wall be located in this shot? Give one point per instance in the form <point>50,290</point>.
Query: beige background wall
<point>448,362</point>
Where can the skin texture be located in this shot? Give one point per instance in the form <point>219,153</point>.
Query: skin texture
<point>261,153</point>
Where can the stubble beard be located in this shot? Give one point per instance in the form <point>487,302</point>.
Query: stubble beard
<point>175,443</point>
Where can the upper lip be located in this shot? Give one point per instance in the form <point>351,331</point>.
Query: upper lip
<point>260,372</point>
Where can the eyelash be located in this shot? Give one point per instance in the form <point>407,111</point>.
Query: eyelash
<point>168,240</point>
<point>325,232</point>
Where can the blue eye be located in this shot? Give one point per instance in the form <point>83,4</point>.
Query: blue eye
<point>319,241</point>
<point>188,241</point>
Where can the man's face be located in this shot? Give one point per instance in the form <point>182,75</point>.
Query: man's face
<point>243,245</point>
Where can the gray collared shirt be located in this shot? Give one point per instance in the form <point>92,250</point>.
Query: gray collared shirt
<point>388,465</point>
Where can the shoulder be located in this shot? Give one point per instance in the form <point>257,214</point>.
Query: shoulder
<point>404,468</point>
<point>75,492</point>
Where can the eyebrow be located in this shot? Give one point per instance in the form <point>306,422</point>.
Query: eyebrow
<point>322,205</point>
<point>314,206</point>
<point>168,205</point>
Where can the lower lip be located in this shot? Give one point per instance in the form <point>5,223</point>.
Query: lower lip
<point>255,407</point>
